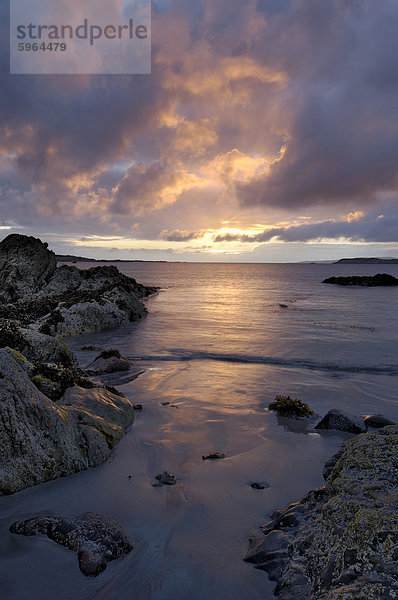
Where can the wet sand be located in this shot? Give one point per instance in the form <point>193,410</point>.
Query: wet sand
<point>189,539</point>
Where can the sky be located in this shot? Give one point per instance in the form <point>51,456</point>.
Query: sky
<point>266,132</point>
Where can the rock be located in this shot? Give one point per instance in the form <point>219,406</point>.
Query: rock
<point>342,421</point>
<point>331,463</point>
<point>53,420</point>
<point>285,406</point>
<point>36,347</point>
<point>108,361</point>
<point>137,407</point>
<point>214,456</point>
<point>166,478</point>
<point>26,265</point>
<point>381,279</point>
<point>283,306</point>
<point>269,553</point>
<point>377,421</point>
<point>259,486</point>
<point>260,547</point>
<point>340,540</point>
<point>52,380</point>
<point>41,440</point>
<point>63,301</point>
<point>96,539</point>
<point>97,407</point>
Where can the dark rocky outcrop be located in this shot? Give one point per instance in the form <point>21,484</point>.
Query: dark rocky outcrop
<point>63,301</point>
<point>381,279</point>
<point>26,266</point>
<point>340,542</point>
<point>342,421</point>
<point>96,539</point>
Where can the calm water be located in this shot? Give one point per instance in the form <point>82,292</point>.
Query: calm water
<point>218,347</point>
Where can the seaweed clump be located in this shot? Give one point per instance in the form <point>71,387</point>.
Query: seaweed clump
<point>285,406</point>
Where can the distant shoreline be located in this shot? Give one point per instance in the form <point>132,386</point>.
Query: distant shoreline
<point>367,261</point>
<point>69,258</point>
<point>76,259</point>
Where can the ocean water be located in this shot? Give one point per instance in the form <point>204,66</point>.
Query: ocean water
<point>220,341</point>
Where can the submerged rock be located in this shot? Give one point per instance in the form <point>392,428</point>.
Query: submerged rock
<point>342,421</point>
<point>108,361</point>
<point>341,540</point>
<point>259,486</point>
<point>96,539</point>
<point>214,456</point>
<point>166,478</point>
<point>381,279</point>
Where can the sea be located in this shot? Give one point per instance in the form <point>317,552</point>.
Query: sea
<point>219,343</point>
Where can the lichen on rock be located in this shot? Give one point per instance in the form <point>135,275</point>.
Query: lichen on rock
<point>342,537</point>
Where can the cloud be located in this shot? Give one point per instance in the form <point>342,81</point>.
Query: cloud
<point>180,236</point>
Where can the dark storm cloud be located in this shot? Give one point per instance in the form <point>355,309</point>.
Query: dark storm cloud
<point>342,146</point>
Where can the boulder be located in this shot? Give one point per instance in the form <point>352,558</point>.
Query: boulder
<point>26,265</point>
<point>340,540</point>
<point>342,421</point>
<point>108,361</point>
<point>95,538</point>
<point>42,440</point>
<point>377,421</point>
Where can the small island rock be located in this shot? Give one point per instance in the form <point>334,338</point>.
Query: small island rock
<point>381,279</point>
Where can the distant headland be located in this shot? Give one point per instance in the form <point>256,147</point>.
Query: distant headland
<point>367,261</point>
<point>75,259</point>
